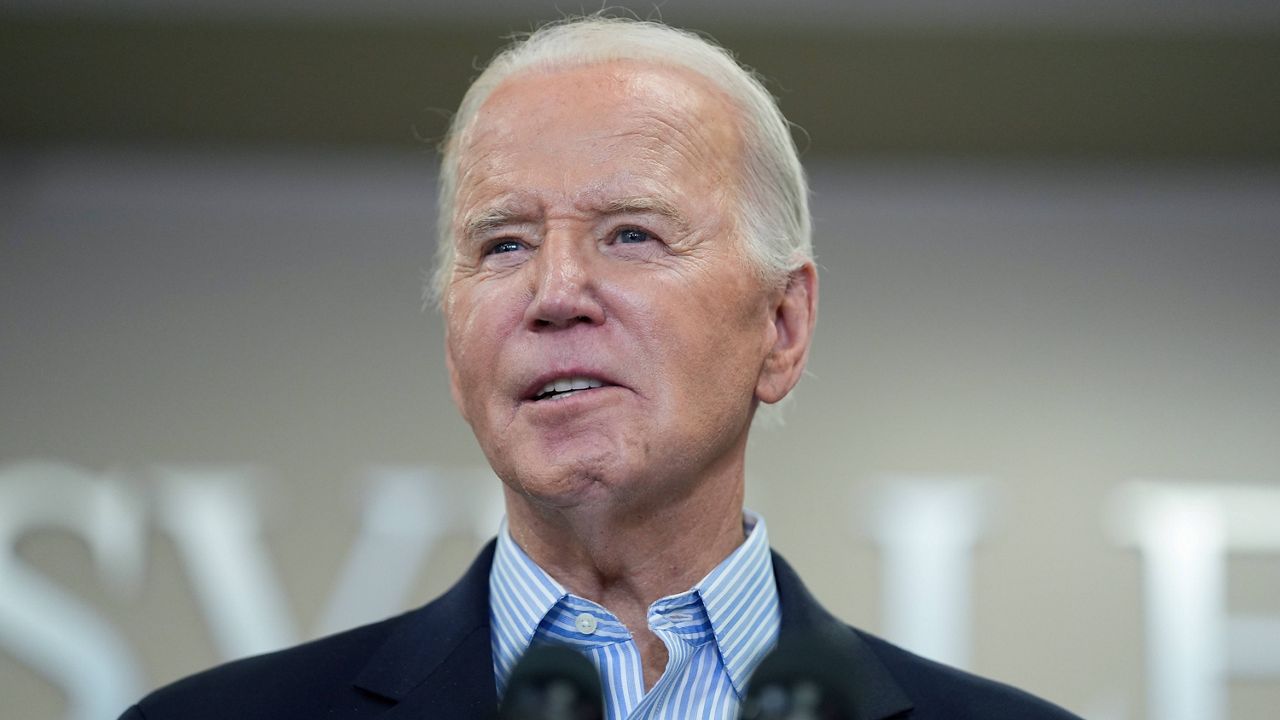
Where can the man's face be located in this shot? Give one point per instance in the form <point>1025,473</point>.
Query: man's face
<point>605,330</point>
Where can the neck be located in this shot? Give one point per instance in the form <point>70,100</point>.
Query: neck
<point>625,558</point>
<point>632,555</point>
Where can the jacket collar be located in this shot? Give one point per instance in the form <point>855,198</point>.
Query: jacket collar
<point>875,693</point>
<point>439,658</point>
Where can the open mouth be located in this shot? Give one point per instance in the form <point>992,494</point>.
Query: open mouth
<point>564,387</point>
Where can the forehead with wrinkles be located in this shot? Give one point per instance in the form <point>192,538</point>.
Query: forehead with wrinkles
<point>587,133</point>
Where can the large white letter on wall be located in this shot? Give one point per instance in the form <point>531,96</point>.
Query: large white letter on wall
<point>926,528</point>
<point>1193,645</point>
<point>404,515</point>
<point>57,635</point>
<point>212,516</point>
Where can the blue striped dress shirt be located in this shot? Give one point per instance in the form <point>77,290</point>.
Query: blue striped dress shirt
<point>716,633</point>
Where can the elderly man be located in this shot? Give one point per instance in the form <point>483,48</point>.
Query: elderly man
<point>625,272</point>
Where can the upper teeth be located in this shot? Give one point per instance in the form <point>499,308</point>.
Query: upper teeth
<point>567,384</point>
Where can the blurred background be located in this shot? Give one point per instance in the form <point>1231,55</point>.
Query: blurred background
<point>1040,436</point>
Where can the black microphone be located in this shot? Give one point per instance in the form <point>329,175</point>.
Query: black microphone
<point>803,679</point>
<point>552,682</point>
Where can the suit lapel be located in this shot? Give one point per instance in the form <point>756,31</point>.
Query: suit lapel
<point>439,662</point>
<point>875,693</point>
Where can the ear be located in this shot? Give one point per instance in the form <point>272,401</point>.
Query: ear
<point>794,314</point>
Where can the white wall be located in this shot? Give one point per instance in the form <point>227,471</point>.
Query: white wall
<point>1040,334</point>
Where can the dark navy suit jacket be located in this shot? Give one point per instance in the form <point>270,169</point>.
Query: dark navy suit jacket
<point>435,662</point>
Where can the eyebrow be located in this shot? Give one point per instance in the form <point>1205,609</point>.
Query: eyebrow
<point>642,204</point>
<point>490,219</point>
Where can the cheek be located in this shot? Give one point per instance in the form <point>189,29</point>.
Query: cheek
<point>742,342</point>
<point>475,320</point>
<point>717,351</point>
<point>469,349</point>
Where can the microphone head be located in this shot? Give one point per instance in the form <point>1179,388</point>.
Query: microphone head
<point>552,682</point>
<point>801,680</point>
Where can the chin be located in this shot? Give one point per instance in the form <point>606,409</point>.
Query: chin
<point>572,484</point>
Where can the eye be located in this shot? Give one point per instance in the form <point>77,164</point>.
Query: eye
<point>504,246</point>
<point>632,236</point>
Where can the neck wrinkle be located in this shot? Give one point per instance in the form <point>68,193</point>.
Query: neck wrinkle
<point>631,558</point>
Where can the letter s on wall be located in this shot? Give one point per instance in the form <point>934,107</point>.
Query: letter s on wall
<point>41,624</point>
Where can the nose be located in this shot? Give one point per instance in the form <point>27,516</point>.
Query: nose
<point>565,288</point>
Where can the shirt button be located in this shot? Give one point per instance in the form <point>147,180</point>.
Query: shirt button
<point>586,623</point>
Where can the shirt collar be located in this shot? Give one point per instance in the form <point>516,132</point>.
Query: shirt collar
<point>739,595</point>
<point>520,596</point>
<point>741,599</point>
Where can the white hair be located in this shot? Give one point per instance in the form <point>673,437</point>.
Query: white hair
<point>773,197</point>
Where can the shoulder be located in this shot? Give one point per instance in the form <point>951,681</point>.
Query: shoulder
<point>300,681</point>
<point>941,691</point>
<point>351,673</point>
<point>887,681</point>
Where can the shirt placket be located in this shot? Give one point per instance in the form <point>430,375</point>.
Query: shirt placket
<point>608,644</point>
<point>666,622</point>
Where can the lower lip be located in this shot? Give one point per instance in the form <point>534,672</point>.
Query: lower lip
<point>576,400</point>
